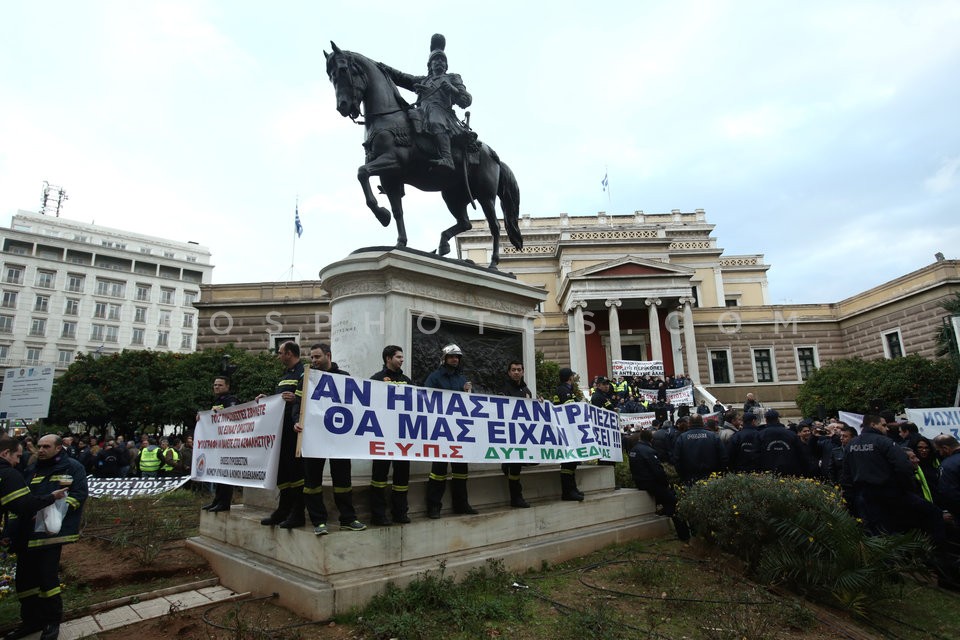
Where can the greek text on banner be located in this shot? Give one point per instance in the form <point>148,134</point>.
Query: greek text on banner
<point>355,419</point>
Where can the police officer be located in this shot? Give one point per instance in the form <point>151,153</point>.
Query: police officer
<point>224,492</point>
<point>780,448</point>
<point>568,470</point>
<point>340,470</point>
<point>698,452</point>
<point>515,387</point>
<point>449,375</point>
<point>289,509</point>
<point>392,372</point>
<point>743,447</point>
<point>38,552</point>
<point>648,475</point>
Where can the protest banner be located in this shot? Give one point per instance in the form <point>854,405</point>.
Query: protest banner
<point>636,421</point>
<point>934,421</point>
<point>132,487</point>
<point>851,419</point>
<point>239,445</point>
<point>637,368</point>
<point>676,397</point>
<point>354,418</point>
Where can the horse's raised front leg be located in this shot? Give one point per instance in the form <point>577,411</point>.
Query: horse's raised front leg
<point>364,173</point>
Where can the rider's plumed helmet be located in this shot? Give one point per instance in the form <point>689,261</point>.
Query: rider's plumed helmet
<point>437,44</point>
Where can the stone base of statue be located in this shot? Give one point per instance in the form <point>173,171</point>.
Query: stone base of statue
<point>420,303</point>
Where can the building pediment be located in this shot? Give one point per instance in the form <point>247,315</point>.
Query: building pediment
<point>631,266</point>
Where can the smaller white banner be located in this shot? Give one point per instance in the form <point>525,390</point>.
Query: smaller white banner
<point>854,420</point>
<point>239,445</point>
<point>637,368</point>
<point>932,422</point>
<point>132,487</point>
<point>676,397</point>
<point>636,421</point>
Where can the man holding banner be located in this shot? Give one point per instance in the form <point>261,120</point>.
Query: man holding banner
<point>392,372</point>
<point>568,470</point>
<point>448,376</point>
<point>224,492</point>
<point>514,386</point>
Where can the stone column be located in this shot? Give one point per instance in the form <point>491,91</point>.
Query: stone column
<point>656,348</point>
<point>616,352</point>
<point>690,341</point>
<point>578,342</point>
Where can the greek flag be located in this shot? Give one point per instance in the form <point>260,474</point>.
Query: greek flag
<point>296,223</point>
<point>604,182</point>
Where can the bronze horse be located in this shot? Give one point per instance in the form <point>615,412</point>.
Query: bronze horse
<point>392,153</point>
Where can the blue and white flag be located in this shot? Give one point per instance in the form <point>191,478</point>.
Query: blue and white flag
<point>605,182</point>
<point>296,223</point>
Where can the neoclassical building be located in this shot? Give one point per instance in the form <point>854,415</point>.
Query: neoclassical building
<point>642,287</point>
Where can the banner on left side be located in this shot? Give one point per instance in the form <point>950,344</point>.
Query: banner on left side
<point>239,445</point>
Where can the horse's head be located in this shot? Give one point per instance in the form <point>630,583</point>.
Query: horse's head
<point>348,80</point>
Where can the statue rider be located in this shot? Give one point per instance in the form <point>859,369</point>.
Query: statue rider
<point>436,95</point>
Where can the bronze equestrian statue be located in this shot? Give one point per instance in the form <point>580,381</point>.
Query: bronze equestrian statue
<point>425,145</point>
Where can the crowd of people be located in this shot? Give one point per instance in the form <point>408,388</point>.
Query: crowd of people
<point>892,478</point>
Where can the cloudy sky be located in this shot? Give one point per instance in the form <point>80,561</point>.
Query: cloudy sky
<point>821,134</point>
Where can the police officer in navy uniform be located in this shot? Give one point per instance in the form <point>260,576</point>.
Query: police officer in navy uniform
<point>743,447</point>
<point>449,375</point>
<point>340,471</point>
<point>224,492</point>
<point>648,475</point>
<point>515,387</point>
<point>780,451</point>
<point>392,372</point>
<point>289,509</point>
<point>698,452</point>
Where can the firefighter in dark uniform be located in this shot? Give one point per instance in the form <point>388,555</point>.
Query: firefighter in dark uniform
<point>515,387</point>
<point>568,470</point>
<point>289,470</point>
<point>392,372</point>
<point>224,492</point>
<point>449,375</point>
<point>340,470</point>
<point>648,475</point>
<point>38,552</point>
<point>605,398</point>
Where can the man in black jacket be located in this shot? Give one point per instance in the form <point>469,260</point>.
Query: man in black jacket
<point>743,447</point>
<point>515,387</point>
<point>223,497</point>
<point>780,448</point>
<point>392,372</point>
<point>648,475</point>
<point>697,452</point>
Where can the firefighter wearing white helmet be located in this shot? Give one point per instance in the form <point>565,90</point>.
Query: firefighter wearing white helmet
<point>449,375</point>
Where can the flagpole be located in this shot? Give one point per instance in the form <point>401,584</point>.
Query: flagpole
<point>293,248</point>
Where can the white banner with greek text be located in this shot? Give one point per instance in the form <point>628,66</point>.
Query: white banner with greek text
<point>356,418</point>
<point>933,422</point>
<point>636,421</point>
<point>676,397</point>
<point>239,445</point>
<point>637,368</point>
<point>132,487</point>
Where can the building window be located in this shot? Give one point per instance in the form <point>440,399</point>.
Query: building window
<point>45,279</point>
<point>188,321</point>
<point>166,295</point>
<point>807,362</point>
<point>720,372</point>
<point>138,334</point>
<point>112,288</point>
<point>143,292</point>
<point>189,297</point>
<point>69,329</point>
<point>97,332</point>
<point>164,318</point>
<point>6,324</point>
<point>4,352</point>
<point>113,334</point>
<point>169,254</point>
<point>71,307</point>
<point>892,344</point>
<point>9,300</point>
<point>38,327</point>
<point>100,310</point>
<point>186,341</point>
<point>75,283</point>
<point>163,338</point>
<point>113,312</point>
<point>732,302</point>
<point>763,365</point>
<point>42,304</point>
<point>13,275</point>
<point>64,357</point>
<point>140,314</point>
<point>34,354</point>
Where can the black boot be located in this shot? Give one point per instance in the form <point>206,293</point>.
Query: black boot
<point>398,507</point>
<point>568,487</point>
<point>294,519</point>
<point>282,511</point>
<point>435,489</point>
<point>378,506</point>
<point>445,161</point>
<point>516,495</point>
<point>458,491</point>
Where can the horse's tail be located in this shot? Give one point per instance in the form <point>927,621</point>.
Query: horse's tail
<point>509,192</point>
